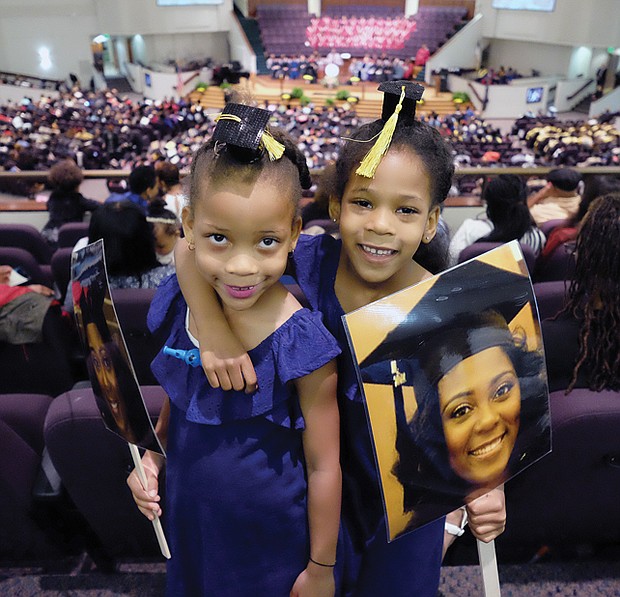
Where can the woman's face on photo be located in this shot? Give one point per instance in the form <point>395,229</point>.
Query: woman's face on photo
<point>106,375</point>
<point>480,404</point>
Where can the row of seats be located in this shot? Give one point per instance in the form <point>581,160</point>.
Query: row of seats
<point>560,265</point>
<point>568,497</point>
<point>57,451</point>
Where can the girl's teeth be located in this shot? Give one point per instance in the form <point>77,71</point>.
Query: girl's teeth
<point>374,251</point>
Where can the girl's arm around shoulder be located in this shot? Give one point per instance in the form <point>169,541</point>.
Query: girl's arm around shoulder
<point>224,360</point>
<point>321,441</point>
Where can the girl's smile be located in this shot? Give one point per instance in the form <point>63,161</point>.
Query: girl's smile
<point>240,292</point>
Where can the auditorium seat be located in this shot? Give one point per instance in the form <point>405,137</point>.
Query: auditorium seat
<point>476,249</point>
<point>20,258</point>
<point>550,297</point>
<point>71,232</point>
<point>548,226</point>
<point>560,265</point>
<point>44,366</point>
<point>132,306</point>
<point>21,446</point>
<point>26,237</point>
<point>93,464</point>
<point>570,496</point>
<point>61,270</point>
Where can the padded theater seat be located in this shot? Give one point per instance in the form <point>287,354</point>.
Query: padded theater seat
<point>476,249</point>
<point>93,464</point>
<point>27,237</point>
<point>22,418</point>
<point>570,496</point>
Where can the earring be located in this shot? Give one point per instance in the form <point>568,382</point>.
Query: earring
<point>291,253</point>
<point>335,220</point>
<point>190,245</point>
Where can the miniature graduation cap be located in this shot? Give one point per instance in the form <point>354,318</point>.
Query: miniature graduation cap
<point>244,128</point>
<point>466,311</point>
<point>399,104</point>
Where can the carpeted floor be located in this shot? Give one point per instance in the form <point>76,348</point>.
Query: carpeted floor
<point>574,579</point>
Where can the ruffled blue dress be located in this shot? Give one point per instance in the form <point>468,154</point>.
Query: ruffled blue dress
<point>410,565</point>
<point>235,476</point>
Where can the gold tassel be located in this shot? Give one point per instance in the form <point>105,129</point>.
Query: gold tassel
<point>274,148</point>
<point>222,116</point>
<point>370,163</point>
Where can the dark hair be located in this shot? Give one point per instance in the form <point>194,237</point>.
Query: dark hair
<point>564,179</point>
<point>167,172</point>
<point>421,444</point>
<point>417,137</point>
<point>219,162</point>
<point>593,294</point>
<point>65,176</point>
<point>506,199</point>
<point>159,214</point>
<point>128,238</point>
<point>141,179</point>
<point>594,186</point>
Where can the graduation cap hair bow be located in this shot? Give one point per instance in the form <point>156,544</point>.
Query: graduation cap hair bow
<point>399,103</point>
<point>245,128</point>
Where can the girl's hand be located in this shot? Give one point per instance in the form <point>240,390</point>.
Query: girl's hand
<point>487,515</point>
<point>5,273</point>
<point>228,365</point>
<point>147,499</point>
<point>40,289</point>
<point>314,581</point>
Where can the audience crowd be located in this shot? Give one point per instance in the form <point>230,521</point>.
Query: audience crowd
<point>373,33</point>
<point>105,130</point>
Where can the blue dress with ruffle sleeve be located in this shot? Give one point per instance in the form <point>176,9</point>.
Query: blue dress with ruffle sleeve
<point>411,564</point>
<point>235,476</point>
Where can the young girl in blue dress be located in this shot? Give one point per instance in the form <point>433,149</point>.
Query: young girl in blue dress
<point>253,482</point>
<point>387,205</point>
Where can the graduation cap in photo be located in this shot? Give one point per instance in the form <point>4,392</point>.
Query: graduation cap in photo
<point>399,104</point>
<point>475,298</point>
<point>244,130</point>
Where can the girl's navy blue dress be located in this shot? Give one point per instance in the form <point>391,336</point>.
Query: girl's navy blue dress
<point>235,477</point>
<point>410,565</point>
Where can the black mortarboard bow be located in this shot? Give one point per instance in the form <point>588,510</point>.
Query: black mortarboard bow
<point>399,104</point>
<point>471,297</point>
<point>244,128</point>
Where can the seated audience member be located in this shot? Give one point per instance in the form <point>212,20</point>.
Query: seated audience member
<point>582,344</point>
<point>117,188</point>
<point>66,203</point>
<point>143,187</point>
<point>129,246</point>
<point>507,218</point>
<point>166,230</point>
<point>594,186</point>
<point>559,199</point>
<point>171,187</point>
